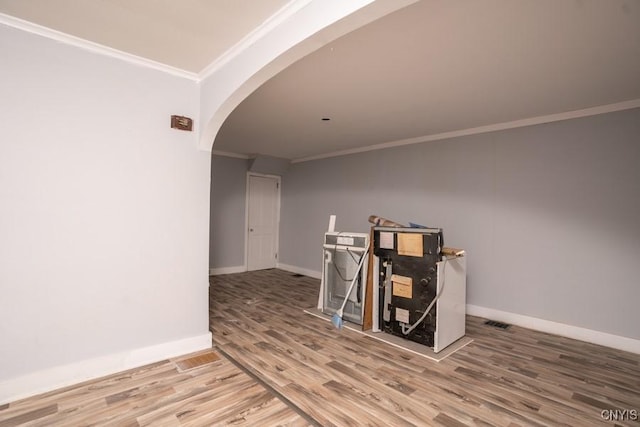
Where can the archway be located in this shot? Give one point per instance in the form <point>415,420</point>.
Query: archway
<point>310,25</point>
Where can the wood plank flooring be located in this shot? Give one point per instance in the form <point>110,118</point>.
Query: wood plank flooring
<point>201,389</point>
<point>513,377</point>
<point>275,365</point>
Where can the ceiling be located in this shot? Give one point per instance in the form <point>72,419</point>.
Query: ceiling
<point>442,66</point>
<point>185,34</point>
<point>434,67</point>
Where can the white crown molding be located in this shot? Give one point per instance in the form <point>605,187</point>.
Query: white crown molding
<point>88,369</point>
<point>68,39</point>
<point>555,328</point>
<point>601,109</point>
<point>257,33</point>
<point>229,154</point>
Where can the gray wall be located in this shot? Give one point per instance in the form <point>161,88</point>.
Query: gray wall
<point>103,216</point>
<point>548,214</point>
<point>228,198</point>
<point>269,165</point>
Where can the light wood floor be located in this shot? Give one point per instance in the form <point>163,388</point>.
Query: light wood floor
<point>290,368</point>
<point>513,377</point>
<point>201,389</point>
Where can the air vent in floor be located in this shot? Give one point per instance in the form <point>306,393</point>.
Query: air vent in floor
<point>298,275</point>
<point>497,324</point>
<point>196,361</point>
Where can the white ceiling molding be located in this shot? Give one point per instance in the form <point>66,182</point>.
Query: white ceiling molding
<point>93,47</point>
<point>586,112</point>
<point>272,22</point>
<point>229,154</point>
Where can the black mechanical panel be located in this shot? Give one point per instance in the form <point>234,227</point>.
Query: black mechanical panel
<point>408,281</point>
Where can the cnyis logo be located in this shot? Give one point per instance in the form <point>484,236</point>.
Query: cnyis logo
<point>620,415</point>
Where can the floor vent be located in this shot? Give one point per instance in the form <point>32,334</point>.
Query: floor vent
<point>298,275</point>
<point>497,324</point>
<point>197,361</point>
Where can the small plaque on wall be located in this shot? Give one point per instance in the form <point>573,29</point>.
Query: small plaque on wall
<point>181,123</point>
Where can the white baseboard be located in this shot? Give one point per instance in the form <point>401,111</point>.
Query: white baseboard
<point>299,270</point>
<point>569,331</point>
<point>83,370</point>
<point>227,270</point>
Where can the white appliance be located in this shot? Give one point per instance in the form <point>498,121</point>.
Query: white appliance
<point>342,252</point>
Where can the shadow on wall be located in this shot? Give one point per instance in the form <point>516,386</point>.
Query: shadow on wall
<point>227,222</point>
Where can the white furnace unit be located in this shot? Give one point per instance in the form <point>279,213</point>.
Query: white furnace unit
<point>421,292</point>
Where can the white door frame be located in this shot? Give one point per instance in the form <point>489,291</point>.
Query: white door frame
<point>246,218</point>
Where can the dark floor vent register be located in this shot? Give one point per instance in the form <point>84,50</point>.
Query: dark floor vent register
<point>497,324</point>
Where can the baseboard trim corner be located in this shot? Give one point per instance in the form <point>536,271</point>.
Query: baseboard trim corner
<point>575,332</point>
<point>65,375</point>
<point>300,270</point>
<point>227,270</point>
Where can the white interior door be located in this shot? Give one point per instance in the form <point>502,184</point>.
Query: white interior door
<point>263,199</point>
